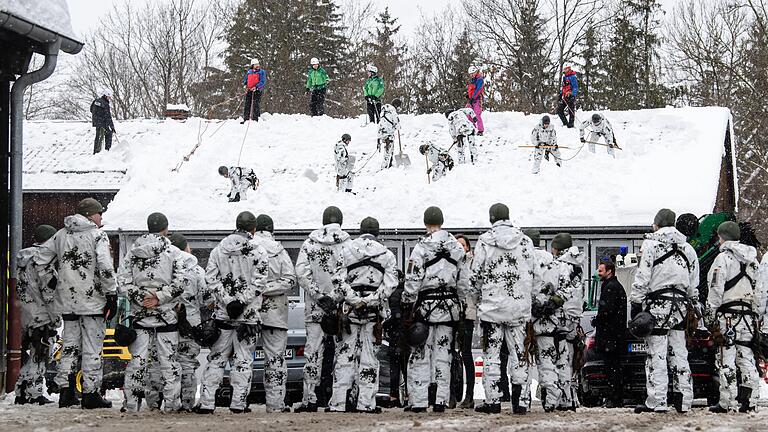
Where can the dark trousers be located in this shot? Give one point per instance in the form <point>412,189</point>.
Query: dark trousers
<point>570,103</point>
<point>317,102</point>
<point>252,108</point>
<point>374,108</point>
<point>504,381</point>
<point>399,352</point>
<point>467,359</point>
<point>102,135</point>
<point>613,371</point>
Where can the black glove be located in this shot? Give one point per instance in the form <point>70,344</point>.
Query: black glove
<point>326,304</point>
<point>582,139</point>
<point>235,198</point>
<point>235,309</point>
<point>110,309</point>
<point>247,332</point>
<point>635,309</point>
<point>53,283</point>
<point>537,310</point>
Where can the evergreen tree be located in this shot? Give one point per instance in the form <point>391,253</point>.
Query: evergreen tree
<point>464,56</point>
<point>530,64</point>
<point>387,55</point>
<point>589,75</point>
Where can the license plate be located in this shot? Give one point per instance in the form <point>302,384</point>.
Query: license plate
<point>639,347</point>
<point>259,354</point>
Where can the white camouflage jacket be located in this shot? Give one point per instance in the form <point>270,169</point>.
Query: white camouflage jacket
<point>371,277</point>
<point>503,275</point>
<point>389,121</point>
<point>725,268</point>
<point>343,167</point>
<point>196,295</point>
<point>562,278</point>
<point>242,179</point>
<point>34,294</point>
<point>320,268</point>
<point>761,291</point>
<point>237,270</point>
<point>85,271</point>
<point>603,128</point>
<point>542,136</point>
<point>281,280</point>
<point>461,122</point>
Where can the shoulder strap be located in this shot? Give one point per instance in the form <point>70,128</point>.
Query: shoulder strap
<point>742,273</point>
<point>368,262</point>
<point>441,255</point>
<point>673,251</point>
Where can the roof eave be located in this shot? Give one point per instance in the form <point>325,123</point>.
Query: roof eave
<point>37,32</point>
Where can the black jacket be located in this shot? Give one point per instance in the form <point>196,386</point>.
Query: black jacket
<point>101,116</point>
<point>611,320</point>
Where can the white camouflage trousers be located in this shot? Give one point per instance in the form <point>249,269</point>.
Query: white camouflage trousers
<point>31,375</point>
<point>539,154</point>
<point>313,368</point>
<point>462,144</point>
<point>388,149</point>
<point>431,363</point>
<point>345,183</point>
<point>495,335</point>
<point>595,137</point>
<point>82,338</point>
<point>274,342</point>
<point>241,352</point>
<point>667,356</point>
<point>188,352</point>
<point>733,359</point>
<point>553,364</point>
<point>356,363</point>
<point>137,371</point>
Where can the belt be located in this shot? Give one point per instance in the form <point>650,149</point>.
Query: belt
<point>76,317</point>
<point>170,328</point>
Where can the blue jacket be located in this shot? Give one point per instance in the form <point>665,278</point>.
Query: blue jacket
<point>261,78</point>
<point>570,85</point>
<point>476,87</point>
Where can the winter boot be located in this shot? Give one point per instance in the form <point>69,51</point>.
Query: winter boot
<point>438,408</point>
<point>67,397</point>
<point>309,407</point>
<point>677,402</point>
<point>514,396</point>
<point>41,400</point>
<point>199,410</point>
<point>467,403</point>
<point>489,408</point>
<point>717,409</point>
<point>414,409</point>
<point>95,400</point>
<point>643,408</point>
<point>245,410</point>
<point>21,395</point>
<point>743,396</point>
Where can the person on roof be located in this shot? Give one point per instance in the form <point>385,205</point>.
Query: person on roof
<point>317,80</point>
<point>475,91</point>
<point>242,179</point>
<point>254,81</point>
<point>101,119</point>
<point>441,162</point>
<point>567,99</point>
<point>344,164</point>
<point>389,124</point>
<point>462,129</point>
<point>372,90</point>
<point>544,137</point>
<point>599,127</point>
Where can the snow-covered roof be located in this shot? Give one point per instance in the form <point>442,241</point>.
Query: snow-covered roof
<point>671,157</point>
<point>51,14</point>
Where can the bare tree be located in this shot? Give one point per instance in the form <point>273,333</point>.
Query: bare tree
<point>570,21</point>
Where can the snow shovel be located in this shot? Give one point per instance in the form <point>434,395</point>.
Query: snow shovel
<point>401,159</point>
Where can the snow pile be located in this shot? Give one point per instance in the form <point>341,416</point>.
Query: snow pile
<point>177,107</point>
<point>671,158</point>
<point>51,14</point>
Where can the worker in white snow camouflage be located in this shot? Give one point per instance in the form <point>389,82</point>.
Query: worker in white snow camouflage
<point>554,322</point>
<point>322,274</point>
<point>242,179</point>
<point>665,285</point>
<point>86,296</point>
<point>344,164</point>
<point>152,277</point>
<point>371,279</point>
<point>281,280</point>
<point>236,275</point>
<point>389,124</point>
<point>437,282</point>
<point>731,312</point>
<point>599,127</point>
<point>503,278</point>
<point>38,321</point>
<point>761,290</point>
<point>441,162</point>
<point>461,125</point>
<point>544,138</point>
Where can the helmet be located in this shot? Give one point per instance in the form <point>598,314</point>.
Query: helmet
<point>473,70</point>
<point>314,61</point>
<point>124,335</point>
<point>545,119</point>
<point>448,113</point>
<point>397,103</point>
<point>416,335</point>
<point>255,62</point>
<point>372,68</point>
<point>330,323</point>
<point>346,138</point>
<point>596,118</point>
<point>223,170</point>
<point>106,92</point>
<point>641,325</point>
<point>566,68</point>
<point>206,334</point>
<point>423,148</point>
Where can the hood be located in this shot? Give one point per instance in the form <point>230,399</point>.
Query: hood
<point>329,234</point>
<point>363,247</point>
<point>441,240</point>
<point>572,256</point>
<point>78,223</point>
<point>541,125</point>
<point>235,243</point>
<point>189,259</point>
<point>273,247</point>
<point>26,255</point>
<point>743,253</point>
<point>667,235</point>
<point>503,234</point>
<point>150,245</point>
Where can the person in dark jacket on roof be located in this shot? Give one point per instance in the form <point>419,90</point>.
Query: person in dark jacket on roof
<point>610,329</point>
<point>101,119</point>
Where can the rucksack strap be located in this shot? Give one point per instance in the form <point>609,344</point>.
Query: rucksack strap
<point>742,274</point>
<point>368,262</point>
<point>441,255</point>
<point>673,251</point>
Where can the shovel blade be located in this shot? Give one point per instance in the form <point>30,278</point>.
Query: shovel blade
<point>402,160</point>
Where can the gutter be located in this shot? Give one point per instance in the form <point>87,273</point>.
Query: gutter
<point>37,33</point>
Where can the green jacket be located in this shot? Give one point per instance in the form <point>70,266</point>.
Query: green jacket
<point>374,86</point>
<point>316,78</point>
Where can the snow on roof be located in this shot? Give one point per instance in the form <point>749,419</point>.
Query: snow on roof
<point>177,107</point>
<point>51,14</point>
<point>671,158</point>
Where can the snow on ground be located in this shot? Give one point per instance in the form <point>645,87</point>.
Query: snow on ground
<point>671,158</point>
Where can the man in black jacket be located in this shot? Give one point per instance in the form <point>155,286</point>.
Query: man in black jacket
<point>610,329</point>
<point>101,119</point>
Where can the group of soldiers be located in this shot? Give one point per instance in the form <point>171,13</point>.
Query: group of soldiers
<point>525,298</point>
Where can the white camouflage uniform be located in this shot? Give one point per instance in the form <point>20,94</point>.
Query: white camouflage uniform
<point>602,129</point>
<point>321,271</point>
<point>547,137</point>
<point>371,278</point>
<point>36,299</point>
<point>503,278</point>
<point>153,266</point>
<point>561,278</point>
<point>237,271</point>
<point>281,280</point>
<point>761,291</point>
<point>344,165</point>
<point>389,124</point>
<point>85,277</point>
<point>437,267</point>
<point>440,162</point>
<point>663,289</point>
<point>734,308</point>
<point>242,179</point>
<point>462,129</point>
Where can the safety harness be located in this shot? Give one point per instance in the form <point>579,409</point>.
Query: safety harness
<point>364,290</point>
<point>741,309</point>
<point>669,293</point>
<point>441,295</point>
